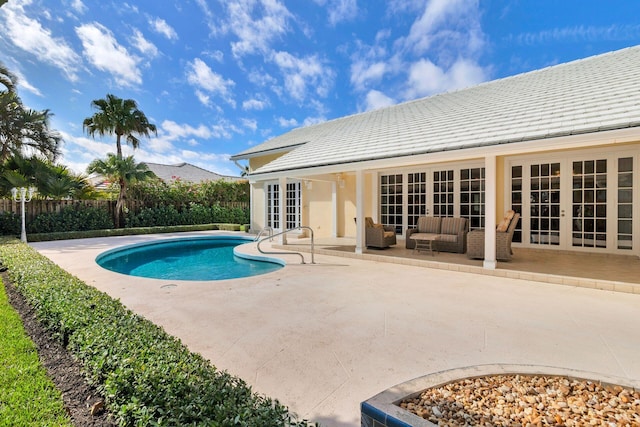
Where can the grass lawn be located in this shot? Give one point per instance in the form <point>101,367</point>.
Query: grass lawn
<point>27,395</point>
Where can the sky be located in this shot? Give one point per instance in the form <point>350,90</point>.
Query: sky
<point>220,76</point>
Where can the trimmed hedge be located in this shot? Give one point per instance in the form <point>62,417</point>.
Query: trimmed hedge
<point>147,376</point>
<point>76,218</point>
<point>45,237</point>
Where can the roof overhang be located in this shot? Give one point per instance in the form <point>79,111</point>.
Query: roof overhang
<point>243,156</point>
<point>576,141</point>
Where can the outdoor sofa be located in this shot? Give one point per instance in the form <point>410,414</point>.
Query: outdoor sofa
<point>449,234</point>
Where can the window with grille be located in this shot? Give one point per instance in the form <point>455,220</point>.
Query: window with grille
<point>443,193</point>
<point>417,197</point>
<point>472,196</point>
<point>625,203</point>
<point>391,202</point>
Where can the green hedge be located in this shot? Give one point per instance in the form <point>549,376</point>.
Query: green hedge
<point>71,218</point>
<point>45,237</point>
<point>147,376</point>
<point>195,213</point>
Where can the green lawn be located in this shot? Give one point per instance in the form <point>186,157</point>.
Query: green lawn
<point>27,395</point>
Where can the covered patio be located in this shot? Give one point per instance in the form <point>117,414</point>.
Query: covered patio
<point>620,273</point>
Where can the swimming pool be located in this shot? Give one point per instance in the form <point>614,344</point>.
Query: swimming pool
<point>191,258</point>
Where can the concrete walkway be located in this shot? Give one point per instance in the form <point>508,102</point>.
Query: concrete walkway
<point>323,338</point>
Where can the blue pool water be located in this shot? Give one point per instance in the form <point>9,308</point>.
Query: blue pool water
<point>196,258</point>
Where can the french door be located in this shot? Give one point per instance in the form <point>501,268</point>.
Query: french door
<point>293,212</point>
<point>579,202</point>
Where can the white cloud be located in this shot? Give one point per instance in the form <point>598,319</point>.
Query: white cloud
<point>302,73</point>
<point>261,78</point>
<point>104,52</point>
<point>78,6</point>
<point>376,99</point>
<point>250,124</point>
<point>172,131</point>
<point>340,10</point>
<point>208,82</point>
<point>161,27</point>
<point>254,104</point>
<point>203,98</point>
<point>579,33</point>
<point>287,123</point>
<point>364,73</point>
<point>313,120</point>
<point>216,55</point>
<point>29,35</point>
<point>447,28</point>
<point>255,35</point>
<point>426,78</point>
<point>143,45</point>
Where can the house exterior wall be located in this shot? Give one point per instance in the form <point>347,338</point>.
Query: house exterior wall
<point>319,210</point>
<point>317,207</point>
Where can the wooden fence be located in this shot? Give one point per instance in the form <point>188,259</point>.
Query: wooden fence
<point>37,207</point>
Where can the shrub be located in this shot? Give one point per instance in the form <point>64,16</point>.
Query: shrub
<point>9,224</point>
<point>153,217</point>
<point>77,218</point>
<point>147,376</point>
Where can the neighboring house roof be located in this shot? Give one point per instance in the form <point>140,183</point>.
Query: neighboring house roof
<point>584,96</point>
<point>186,172</point>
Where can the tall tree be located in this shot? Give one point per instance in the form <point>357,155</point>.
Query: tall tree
<point>51,180</point>
<point>23,130</point>
<point>8,79</point>
<point>120,117</point>
<point>124,172</point>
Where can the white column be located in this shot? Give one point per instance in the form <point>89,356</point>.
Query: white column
<point>490,188</point>
<point>334,204</point>
<point>375,197</point>
<point>282,203</point>
<point>360,230</point>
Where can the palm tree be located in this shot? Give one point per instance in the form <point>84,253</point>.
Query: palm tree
<point>7,78</point>
<point>58,182</point>
<point>23,129</point>
<point>51,180</point>
<point>120,117</point>
<point>124,172</point>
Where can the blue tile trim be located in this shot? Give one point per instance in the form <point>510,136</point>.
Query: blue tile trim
<point>373,412</point>
<point>394,422</point>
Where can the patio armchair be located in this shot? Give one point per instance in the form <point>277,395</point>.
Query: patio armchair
<point>378,235</point>
<point>504,236</point>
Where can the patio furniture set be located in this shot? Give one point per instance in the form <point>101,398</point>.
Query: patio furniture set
<point>445,234</point>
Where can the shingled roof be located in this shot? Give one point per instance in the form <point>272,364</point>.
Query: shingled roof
<point>584,96</point>
<point>186,172</point>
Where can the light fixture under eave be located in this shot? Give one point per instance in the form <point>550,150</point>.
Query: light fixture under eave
<point>308,184</point>
<point>340,180</point>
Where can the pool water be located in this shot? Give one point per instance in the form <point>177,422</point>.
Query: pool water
<point>199,258</point>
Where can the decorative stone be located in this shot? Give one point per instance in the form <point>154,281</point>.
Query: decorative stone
<point>516,395</point>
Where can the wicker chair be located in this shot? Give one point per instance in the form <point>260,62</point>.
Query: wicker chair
<point>475,241</point>
<point>378,235</point>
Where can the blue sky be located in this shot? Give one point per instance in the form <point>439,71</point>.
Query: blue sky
<point>219,76</point>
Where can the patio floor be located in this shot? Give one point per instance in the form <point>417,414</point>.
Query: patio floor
<point>619,273</point>
<point>323,338</point>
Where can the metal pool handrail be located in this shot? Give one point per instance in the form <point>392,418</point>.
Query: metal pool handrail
<point>267,228</point>
<point>271,236</point>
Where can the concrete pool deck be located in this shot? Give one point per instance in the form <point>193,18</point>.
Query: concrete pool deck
<point>322,338</point>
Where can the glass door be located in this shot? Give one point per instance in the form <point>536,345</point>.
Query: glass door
<point>544,208</point>
<point>589,204</point>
